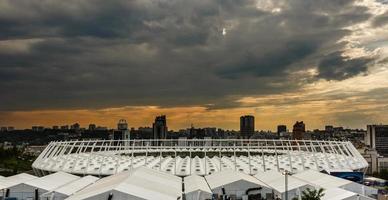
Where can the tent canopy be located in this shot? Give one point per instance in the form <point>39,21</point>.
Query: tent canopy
<point>52,181</point>
<point>218,179</point>
<point>11,181</point>
<point>142,182</point>
<point>74,186</point>
<point>276,180</point>
<point>195,183</point>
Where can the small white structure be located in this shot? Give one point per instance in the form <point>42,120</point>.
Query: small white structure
<point>8,182</point>
<point>276,181</point>
<point>328,181</point>
<point>235,184</point>
<point>196,188</point>
<point>67,190</point>
<point>27,189</point>
<point>137,184</point>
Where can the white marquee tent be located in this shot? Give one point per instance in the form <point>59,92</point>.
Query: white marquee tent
<point>67,190</point>
<point>137,184</point>
<point>7,182</point>
<point>236,184</point>
<point>328,181</point>
<point>276,181</point>
<point>196,188</point>
<point>341,194</point>
<point>26,190</point>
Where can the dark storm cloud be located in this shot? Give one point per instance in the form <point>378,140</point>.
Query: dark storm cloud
<point>97,53</point>
<point>338,67</point>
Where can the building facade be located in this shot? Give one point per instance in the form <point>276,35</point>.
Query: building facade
<point>281,130</point>
<point>160,127</point>
<point>298,130</point>
<point>247,126</point>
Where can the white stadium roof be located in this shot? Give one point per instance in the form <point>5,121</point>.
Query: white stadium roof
<point>141,183</point>
<point>186,157</point>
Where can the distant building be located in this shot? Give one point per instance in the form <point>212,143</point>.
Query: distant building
<point>247,126</point>
<point>65,127</point>
<point>377,138</point>
<point>37,128</point>
<point>298,130</point>
<point>3,129</point>
<point>55,127</point>
<point>329,128</point>
<point>122,130</point>
<point>101,128</point>
<point>92,127</point>
<point>281,130</point>
<point>75,126</point>
<point>160,127</point>
<point>122,125</point>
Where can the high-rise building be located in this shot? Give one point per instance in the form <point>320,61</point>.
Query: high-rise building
<point>377,138</point>
<point>281,129</point>
<point>160,127</point>
<point>298,130</point>
<point>247,126</point>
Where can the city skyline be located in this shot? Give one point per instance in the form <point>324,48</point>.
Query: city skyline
<point>201,62</point>
<point>86,125</point>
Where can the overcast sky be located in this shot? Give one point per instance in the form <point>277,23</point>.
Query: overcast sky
<point>200,62</point>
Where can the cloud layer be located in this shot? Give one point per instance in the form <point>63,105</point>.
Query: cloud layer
<point>96,54</point>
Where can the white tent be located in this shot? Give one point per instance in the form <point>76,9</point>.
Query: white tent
<point>276,181</point>
<point>67,190</point>
<point>196,188</point>
<point>11,181</point>
<point>26,190</point>
<point>137,184</point>
<point>328,181</point>
<point>341,194</point>
<point>235,184</point>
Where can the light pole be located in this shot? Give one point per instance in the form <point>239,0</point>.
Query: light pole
<point>286,174</point>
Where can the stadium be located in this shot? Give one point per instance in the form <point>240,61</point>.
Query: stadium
<point>184,157</point>
<point>191,169</point>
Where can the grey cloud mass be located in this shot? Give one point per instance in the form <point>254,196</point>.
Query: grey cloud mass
<point>97,53</point>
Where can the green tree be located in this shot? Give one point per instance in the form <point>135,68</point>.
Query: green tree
<point>312,194</point>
